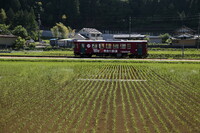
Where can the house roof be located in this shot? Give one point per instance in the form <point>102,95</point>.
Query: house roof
<point>129,36</point>
<point>185,35</point>
<point>184,29</point>
<point>154,37</point>
<point>79,36</point>
<point>91,30</point>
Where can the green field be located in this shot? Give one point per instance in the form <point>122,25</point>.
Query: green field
<point>172,53</point>
<point>99,97</point>
<point>39,53</point>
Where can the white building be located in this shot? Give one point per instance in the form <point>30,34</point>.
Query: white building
<point>89,34</point>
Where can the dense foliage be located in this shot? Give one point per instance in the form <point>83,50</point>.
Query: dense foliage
<point>102,14</point>
<point>19,43</point>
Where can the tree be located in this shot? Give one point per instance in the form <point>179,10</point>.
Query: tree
<point>61,31</point>
<point>38,7</point>
<point>32,24</point>
<point>3,16</point>
<point>64,18</point>
<point>54,31</point>
<point>19,43</point>
<point>4,29</point>
<point>28,20</point>
<point>102,14</point>
<point>20,31</point>
<point>10,14</point>
<point>15,5</point>
<point>165,37</point>
<point>71,32</point>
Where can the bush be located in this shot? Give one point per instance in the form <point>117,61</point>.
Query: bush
<point>19,43</point>
<point>4,29</point>
<point>48,48</point>
<point>34,35</point>
<point>32,45</point>
<point>165,37</point>
<point>20,31</point>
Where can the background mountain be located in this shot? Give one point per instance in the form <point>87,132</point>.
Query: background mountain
<point>114,15</point>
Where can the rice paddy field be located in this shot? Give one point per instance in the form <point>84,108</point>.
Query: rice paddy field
<point>64,97</point>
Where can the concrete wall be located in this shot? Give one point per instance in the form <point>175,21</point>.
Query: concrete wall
<point>7,42</point>
<point>188,42</point>
<point>108,37</point>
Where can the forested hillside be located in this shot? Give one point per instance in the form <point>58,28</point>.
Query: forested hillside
<point>149,15</point>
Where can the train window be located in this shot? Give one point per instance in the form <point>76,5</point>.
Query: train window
<point>123,46</point>
<point>98,35</point>
<point>83,45</point>
<point>94,45</point>
<point>128,46</point>
<point>115,46</point>
<point>101,46</point>
<point>108,46</point>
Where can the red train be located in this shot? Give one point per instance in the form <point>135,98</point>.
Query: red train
<point>87,48</point>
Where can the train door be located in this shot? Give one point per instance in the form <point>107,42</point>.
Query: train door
<point>139,49</point>
<point>82,48</point>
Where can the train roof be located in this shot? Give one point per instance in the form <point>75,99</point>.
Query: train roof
<point>105,41</point>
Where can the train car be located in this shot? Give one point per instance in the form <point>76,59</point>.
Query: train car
<point>87,48</point>
<point>65,43</point>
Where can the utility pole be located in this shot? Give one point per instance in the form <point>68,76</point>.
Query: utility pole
<point>198,33</point>
<point>129,27</point>
<point>183,51</point>
<point>39,24</point>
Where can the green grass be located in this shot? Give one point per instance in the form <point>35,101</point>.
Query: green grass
<point>170,53</point>
<point>101,60</point>
<point>63,97</point>
<point>153,53</point>
<point>40,53</point>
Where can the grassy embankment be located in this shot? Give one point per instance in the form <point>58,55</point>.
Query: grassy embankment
<point>164,53</point>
